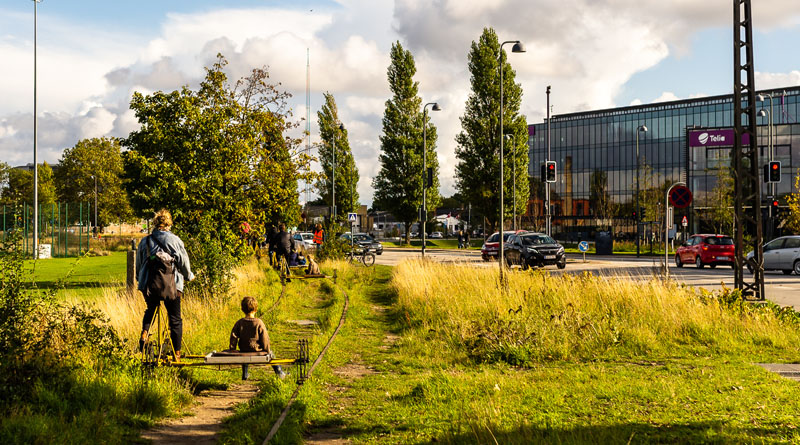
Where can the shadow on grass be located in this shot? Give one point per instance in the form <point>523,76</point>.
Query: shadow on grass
<point>72,284</point>
<point>633,433</point>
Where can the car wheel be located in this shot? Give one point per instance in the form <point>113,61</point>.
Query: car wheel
<point>712,265</point>
<point>787,271</point>
<point>699,262</point>
<point>525,264</point>
<point>485,258</point>
<point>678,262</point>
<point>561,265</point>
<point>797,267</point>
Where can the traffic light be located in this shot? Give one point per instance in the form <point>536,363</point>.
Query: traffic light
<point>774,174</point>
<point>429,178</point>
<point>550,171</point>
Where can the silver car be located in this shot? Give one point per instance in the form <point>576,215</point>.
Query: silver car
<point>781,254</point>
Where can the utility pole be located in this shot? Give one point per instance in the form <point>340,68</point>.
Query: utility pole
<point>747,204</point>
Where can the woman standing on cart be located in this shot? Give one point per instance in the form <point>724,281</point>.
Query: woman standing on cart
<point>162,267</point>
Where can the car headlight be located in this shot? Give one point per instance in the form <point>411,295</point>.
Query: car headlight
<point>560,249</point>
<point>532,249</point>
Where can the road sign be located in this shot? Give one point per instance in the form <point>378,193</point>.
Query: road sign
<point>680,197</point>
<point>583,246</point>
<point>351,217</point>
<point>685,222</point>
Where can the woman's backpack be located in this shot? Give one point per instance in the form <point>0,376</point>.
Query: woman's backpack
<point>160,272</point>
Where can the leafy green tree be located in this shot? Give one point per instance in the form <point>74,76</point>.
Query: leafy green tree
<point>600,198</point>
<point>346,171</point>
<point>215,157</point>
<point>720,202</point>
<point>478,168</point>
<point>91,158</point>
<point>18,186</point>
<point>793,200</point>
<point>398,185</point>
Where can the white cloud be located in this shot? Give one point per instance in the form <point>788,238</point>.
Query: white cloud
<point>586,49</point>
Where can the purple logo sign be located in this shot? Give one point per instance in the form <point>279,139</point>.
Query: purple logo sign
<point>714,138</point>
<point>531,130</point>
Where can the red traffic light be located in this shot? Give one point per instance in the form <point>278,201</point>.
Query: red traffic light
<point>774,166</point>
<point>775,203</point>
<point>551,167</point>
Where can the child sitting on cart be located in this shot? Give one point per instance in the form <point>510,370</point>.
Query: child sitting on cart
<point>250,334</point>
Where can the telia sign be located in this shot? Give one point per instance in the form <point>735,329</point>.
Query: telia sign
<point>714,138</point>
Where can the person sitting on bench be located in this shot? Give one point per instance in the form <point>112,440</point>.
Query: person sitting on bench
<point>250,334</point>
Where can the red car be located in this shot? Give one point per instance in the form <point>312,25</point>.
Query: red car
<point>491,247</point>
<point>706,249</point>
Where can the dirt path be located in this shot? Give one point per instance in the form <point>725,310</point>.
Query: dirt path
<point>202,427</point>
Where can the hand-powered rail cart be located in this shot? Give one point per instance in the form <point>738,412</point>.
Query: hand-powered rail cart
<point>158,351</point>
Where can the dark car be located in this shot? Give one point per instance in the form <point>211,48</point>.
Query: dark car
<point>364,241</point>
<point>532,249</point>
<point>706,249</point>
<point>491,247</point>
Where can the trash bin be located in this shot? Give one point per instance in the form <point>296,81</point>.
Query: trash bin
<point>604,243</point>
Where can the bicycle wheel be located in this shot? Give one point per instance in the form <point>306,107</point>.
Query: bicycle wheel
<point>368,259</point>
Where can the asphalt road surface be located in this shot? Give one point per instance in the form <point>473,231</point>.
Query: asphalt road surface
<point>779,288</point>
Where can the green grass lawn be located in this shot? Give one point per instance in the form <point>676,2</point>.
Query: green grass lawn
<point>436,243</point>
<point>78,277</point>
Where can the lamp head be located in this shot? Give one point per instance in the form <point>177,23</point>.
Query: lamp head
<point>436,107</point>
<point>760,98</point>
<point>643,128</point>
<point>762,113</point>
<point>518,47</point>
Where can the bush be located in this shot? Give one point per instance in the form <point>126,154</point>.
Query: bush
<point>333,248</point>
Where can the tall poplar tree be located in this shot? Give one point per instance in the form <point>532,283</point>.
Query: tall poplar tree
<point>346,171</point>
<point>398,186</point>
<point>478,144</point>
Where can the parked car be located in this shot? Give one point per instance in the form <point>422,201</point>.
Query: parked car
<point>364,241</point>
<point>436,235</point>
<point>533,249</point>
<point>491,247</point>
<point>706,250</point>
<point>304,240</point>
<point>781,254</point>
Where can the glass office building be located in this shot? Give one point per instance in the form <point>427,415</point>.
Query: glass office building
<point>596,155</point>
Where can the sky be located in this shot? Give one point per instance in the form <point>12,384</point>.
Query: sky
<point>596,54</point>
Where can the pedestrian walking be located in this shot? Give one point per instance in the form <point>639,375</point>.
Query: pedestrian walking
<point>163,268</point>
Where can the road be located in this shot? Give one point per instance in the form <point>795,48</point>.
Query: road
<point>781,289</point>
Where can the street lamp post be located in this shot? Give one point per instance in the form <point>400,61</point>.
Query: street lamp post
<point>547,159</point>
<point>641,128</point>
<point>517,48</point>
<point>35,147</point>
<point>434,107</point>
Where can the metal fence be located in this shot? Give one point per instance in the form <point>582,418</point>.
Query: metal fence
<point>65,227</point>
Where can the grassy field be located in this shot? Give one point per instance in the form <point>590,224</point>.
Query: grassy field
<point>78,278</point>
<point>434,353</point>
<point>429,355</point>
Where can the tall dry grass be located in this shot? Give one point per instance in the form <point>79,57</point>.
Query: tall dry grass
<point>202,317</point>
<point>539,317</point>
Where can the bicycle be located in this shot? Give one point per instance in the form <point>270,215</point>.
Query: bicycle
<point>362,255</point>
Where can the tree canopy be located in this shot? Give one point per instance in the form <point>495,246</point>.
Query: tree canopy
<point>478,144</point>
<point>398,185</point>
<point>17,185</point>
<point>75,178</point>
<point>346,171</point>
<point>216,157</point>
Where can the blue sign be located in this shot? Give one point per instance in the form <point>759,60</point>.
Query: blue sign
<point>583,246</point>
<point>351,217</point>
